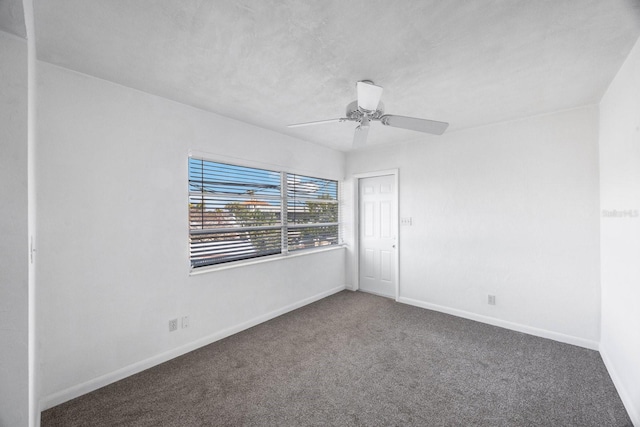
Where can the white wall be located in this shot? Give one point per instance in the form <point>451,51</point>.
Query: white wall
<point>509,209</point>
<point>112,224</point>
<point>14,233</point>
<point>620,237</point>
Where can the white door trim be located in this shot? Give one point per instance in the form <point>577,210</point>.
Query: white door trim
<point>356,222</point>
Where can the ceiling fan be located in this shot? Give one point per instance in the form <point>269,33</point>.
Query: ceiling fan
<point>368,108</point>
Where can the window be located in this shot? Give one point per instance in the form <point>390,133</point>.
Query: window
<point>312,212</point>
<point>238,213</point>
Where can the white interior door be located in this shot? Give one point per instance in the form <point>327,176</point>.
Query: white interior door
<point>377,235</point>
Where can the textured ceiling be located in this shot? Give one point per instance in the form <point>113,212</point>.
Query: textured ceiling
<point>275,62</point>
<point>12,18</point>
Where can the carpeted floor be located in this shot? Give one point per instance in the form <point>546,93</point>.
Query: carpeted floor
<point>355,359</point>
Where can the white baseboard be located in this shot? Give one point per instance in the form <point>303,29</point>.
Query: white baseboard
<point>633,408</point>
<point>556,336</point>
<point>78,390</point>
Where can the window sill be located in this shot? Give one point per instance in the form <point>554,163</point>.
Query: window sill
<point>239,264</point>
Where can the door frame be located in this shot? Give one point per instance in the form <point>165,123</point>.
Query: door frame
<point>356,221</point>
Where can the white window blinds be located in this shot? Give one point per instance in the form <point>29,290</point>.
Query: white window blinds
<point>234,212</point>
<point>312,212</point>
<point>238,212</point>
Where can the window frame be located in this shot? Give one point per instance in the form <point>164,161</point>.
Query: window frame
<point>285,226</point>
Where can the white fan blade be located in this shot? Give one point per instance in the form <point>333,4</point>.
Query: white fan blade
<point>319,122</point>
<point>368,95</point>
<point>411,123</point>
<point>360,135</point>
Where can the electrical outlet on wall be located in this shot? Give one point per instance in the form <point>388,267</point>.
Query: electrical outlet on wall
<point>173,325</point>
<point>491,300</point>
<point>185,322</point>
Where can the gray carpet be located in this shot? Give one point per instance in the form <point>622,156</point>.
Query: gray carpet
<point>355,359</point>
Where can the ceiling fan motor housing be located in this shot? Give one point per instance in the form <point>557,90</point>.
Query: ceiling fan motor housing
<point>355,113</point>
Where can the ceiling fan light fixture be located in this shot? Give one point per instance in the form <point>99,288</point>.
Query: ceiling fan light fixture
<point>368,95</point>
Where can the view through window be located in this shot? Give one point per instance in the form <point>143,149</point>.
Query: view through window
<point>238,212</point>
